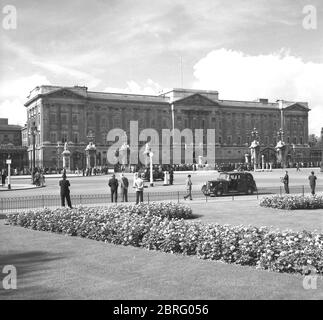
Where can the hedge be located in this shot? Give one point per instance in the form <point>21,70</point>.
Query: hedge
<point>292,202</point>
<point>143,226</point>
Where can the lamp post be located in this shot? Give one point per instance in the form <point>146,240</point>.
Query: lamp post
<point>9,171</point>
<point>151,168</point>
<point>33,131</point>
<point>254,148</point>
<point>124,153</point>
<point>281,148</point>
<point>58,154</point>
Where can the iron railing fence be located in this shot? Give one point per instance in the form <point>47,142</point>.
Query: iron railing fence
<point>12,204</point>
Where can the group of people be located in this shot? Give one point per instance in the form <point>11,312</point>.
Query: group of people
<point>312,181</point>
<point>138,184</point>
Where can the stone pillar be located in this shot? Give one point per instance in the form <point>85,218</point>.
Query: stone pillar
<point>254,149</point>
<point>90,151</point>
<point>66,159</point>
<point>281,153</point>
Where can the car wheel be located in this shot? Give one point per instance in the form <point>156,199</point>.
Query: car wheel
<point>250,191</point>
<point>219,192</point>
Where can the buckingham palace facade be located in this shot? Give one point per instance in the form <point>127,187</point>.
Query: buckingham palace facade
<point>56,115</point>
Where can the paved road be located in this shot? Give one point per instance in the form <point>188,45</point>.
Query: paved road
<point>99,184</point>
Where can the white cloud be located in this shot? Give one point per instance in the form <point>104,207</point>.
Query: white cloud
<point>71,73</point>
<point>149,87</point>
<point>13,95</point>
<point>275,76</point>
<point>14,110</point>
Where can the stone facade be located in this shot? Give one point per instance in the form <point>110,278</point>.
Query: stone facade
<point>11,145</point>
<point>76,115</point>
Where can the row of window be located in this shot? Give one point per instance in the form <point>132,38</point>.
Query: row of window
<point>53,118</point>
<point>104,122</point>
<point>229,141</point>
<point>266,140</point>
<point>54,138</point>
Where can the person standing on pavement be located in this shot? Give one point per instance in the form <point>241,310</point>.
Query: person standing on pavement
<point>113,184</point>
<point>124,183</point>
<point>188,184</point>
<point>139,185</point>
<point>312,178</point>
<point>171,176</point>
<point>3,177</point>
<point>286,182</point>
<point>65,191</point>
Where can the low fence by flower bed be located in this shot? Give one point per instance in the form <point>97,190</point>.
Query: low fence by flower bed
<point>292,202</point>
<point>162,227</point>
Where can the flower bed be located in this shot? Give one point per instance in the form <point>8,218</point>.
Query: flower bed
<point>290,202</point>
<point>142,227</point>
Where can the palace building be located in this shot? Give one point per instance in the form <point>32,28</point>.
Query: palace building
<point>11,145</point>
<point>76,115</point>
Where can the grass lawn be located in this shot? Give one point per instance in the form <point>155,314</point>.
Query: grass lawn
<point>249,212</point>
<point>52,266</point>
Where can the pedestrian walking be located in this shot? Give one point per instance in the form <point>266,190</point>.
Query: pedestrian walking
<point>3,178</point>
<point>171,176</point>
<point>297,167</point>
<point>188,184</point>
<point>124,183</point>
<point>113,184</point>
<point>285,181</point>
<point>65,191</point>
<point>139,185</point>
<point>312,178</point>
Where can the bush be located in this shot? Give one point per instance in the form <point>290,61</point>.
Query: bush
<point>290,202</point>
<point>148,227</point>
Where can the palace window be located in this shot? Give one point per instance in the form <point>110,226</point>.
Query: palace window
<point>64,118</point>
<point>301,141</point>
<point>75,118</point>
<point>295,140</point>
<point>75,137</point>
<point>239,141</point>
<point>104,123</point>
<point>52,118</point>
<point>229,140</point>
<point>220,139</point>
<point>64,137</point>
<point>90,120</point>
<point>53,137</point>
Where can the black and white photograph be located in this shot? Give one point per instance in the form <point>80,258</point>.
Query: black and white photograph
<point>161,155</point>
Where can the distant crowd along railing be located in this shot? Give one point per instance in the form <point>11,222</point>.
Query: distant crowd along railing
<point>10,204</point>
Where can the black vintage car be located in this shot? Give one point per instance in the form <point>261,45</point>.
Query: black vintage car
<point>230,183</point>
<point>157,174</point>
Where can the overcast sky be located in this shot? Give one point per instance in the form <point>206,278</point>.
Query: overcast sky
<point>245,49</point>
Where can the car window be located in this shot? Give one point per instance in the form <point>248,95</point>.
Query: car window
<point>224,176</point>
